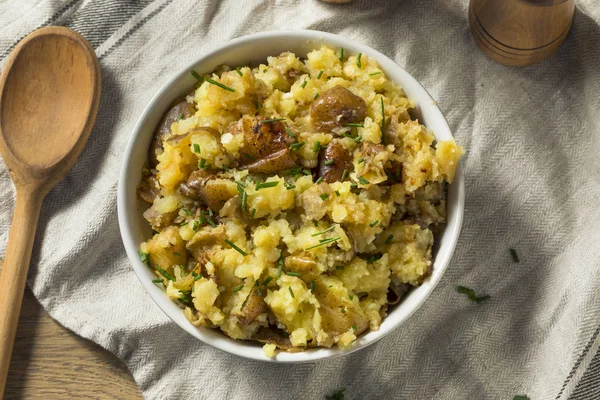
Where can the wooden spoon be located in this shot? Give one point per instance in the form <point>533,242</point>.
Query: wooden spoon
<point>49,96</point>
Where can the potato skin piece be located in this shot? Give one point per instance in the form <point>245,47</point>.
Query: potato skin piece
<point>164,129</point>
<point>342,160</point>
<point>337,107</point>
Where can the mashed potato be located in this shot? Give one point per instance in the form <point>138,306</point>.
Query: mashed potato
<point>292,203</point>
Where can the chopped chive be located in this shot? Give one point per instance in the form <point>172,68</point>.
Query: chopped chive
<point>179,117</point>
<point>520,397</point>
<point>343,310</point>
<point>358,63</point>
<point>196,275</point>
<point>374,257</point>
<point>329,162</point>
<point>297,146</point>
<point>290,186</point>
<point>351,297</point>
<point>320,74</point>
<point>195,226</point>
<point>242,184</point>
<point>164,273</point>
<point>312,286</point>
<point>290,133</point>
<point>268,121</point>
<point>325,242</point>
<point>337,193</point>
<point>267,281</point>
<point>355,125</point>
<point>375,73</point>
<point>238,288</point>
<point>291,292</point>
<point>389,239</point>
<point>315,96</point>
<point>354,186</point>
<point>340,267</point>
<point>372,224</point>
<point>514,255</point>
<point>341,54</point>
<point>358,139</point>
<point>315,223</point>
<point>354,327</point>
<point>202,163</point>
<point>304,84</point>
<point>176,253</point>
<point>471,294</point>
<point>332,227</point>
<point>317,147</point>
<point>157,281</point>
<point>344,174</point>
<point>265,185</point>
<point>252,213</point>
<point>145,257</point>
<point>319,180</point>
<point>306,172</point>
<point>382,122</point>
<point>291,273</point>
<point>219,84</point>
<point>187,212</point>
<point>233,246</point>
<point>238,71</point>
<point>324,196</point>
<point>184,223</point>
<point>195,75</point>
<point>211,223</point>
<point>210,212</point>
<point>361,160</point>
<point>202,217</point>
<point>363,181</point>
<point>259,290</point>
<point>196,148</point>
<point>244,200</point>
<point>280,267</point>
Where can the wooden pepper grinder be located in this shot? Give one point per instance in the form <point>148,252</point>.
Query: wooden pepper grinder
<point>520,32</point>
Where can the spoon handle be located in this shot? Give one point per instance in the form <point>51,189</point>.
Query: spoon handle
<point>14,272</point>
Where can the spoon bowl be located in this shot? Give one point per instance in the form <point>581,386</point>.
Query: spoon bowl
<point>49,97</point>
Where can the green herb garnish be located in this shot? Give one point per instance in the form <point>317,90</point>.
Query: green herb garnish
<point>382,122</point>
<point>219,84</point>
<point>389,239</point>
<point>202,163</point>
<point>324,196</point>
<point>297,146</point>
<point>324,242</point>
<point>320,74</point>
<point>354,327</point>
<point>341,54</point>
<point>344,175</point>
<point>317,147</point>
<point>312,286</point>
<point>264,185</point>
<point>211,223</point>
<point>319,180</point>
<point>332,227</point>
<point>290,133</point>
<point>195,75</point>
<point>195,226</point>
<point>184,223</point>
<point>358,139</point>
<point>471,294</point>
<point>361,160</point>
<point>196,148</point>
<point>337,193</point>
<point>157,281</point>
<point>355,125</point>
<point>145,257</point>
<point>252,213</point>
<point>187,212</point>
<point>268,121</point>
<point>289,186</point>
<point>238,71</point>
<point>196,275</point>
<point>358,64</point>
<point>514,255</point>
<point>267,281</point>
<point>329,162</point>
<point>179,117</point>
<point>354,186</point>
<point>315,96</point>
<point>374,257</point>
<point>363,181</point>
<point>233,246</point>
<point>280,267</point>
<point>291,273</point>
<point>164,273</point>
<point>291,292</point>
<point>372,224</point>
<point>304,84</point>
<point>238,288</point>
<point>520,397</point>
<point>375,73</point>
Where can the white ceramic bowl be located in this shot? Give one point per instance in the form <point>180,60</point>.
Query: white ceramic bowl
<point>255,48</point>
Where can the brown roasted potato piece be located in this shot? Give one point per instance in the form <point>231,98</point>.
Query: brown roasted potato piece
<point>149,188</point>
<point>337,107</point>
<point>335,317</point>
<point>205,186</point>
<point>255,306</point>
<point>157,220</point>
<point>204,240</point>
<point>263,141</point>
<point>278,161</point>
<point>164,129</point>
<point>342,160</point>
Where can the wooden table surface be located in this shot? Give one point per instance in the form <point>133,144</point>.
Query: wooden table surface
<point>51,362</point>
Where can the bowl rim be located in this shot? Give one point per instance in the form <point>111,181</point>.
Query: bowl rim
<point>252,350</point>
